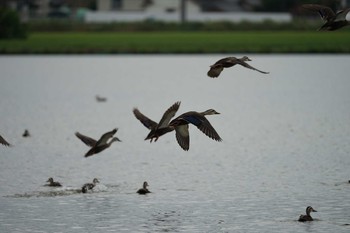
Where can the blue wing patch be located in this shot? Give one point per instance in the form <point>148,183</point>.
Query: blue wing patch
<point>193,120</point>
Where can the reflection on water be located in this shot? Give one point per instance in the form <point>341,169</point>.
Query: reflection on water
<point>46,193</point>
<point>285,145</point>
<point>166,221</point>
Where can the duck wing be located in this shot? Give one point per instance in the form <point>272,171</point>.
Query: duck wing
<point>246,65</point>
<point>87,140</point>
<point>169,113</point>
<point>209,130</point>
<point>215,71</point>
<point>183,136</point>
<point>218,67</point>
<point>87,186</point>
<point>148,123</point>
<point>227,62</point>
<point>326,13</point>
<point>3,141</point>
<point>203,125</point>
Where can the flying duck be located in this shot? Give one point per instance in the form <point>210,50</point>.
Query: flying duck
<point>227,62</point>
<point>307,217</point>
<point>144,189</point>
<point>101,144</point>
<point>198,119</point>
<point>157,130</point>
<point>333,21</point>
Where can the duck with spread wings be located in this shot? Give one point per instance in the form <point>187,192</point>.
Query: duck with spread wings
<point>198,119</point>
<point>227,62</point>
<point>99,145</point>
<point>161,128</point>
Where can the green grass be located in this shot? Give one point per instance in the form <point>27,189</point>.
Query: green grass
<point>180,42</point>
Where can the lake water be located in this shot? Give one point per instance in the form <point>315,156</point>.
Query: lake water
<point>286,144</point>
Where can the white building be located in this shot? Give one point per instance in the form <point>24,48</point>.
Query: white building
<point>159,6</point>
<point>169,11</point>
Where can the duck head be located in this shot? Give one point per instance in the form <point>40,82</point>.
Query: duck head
<point>50,180</point>
<point>245,58</point>
<point>114,139</point>
<point>210,112</point>
<point>309,209</point>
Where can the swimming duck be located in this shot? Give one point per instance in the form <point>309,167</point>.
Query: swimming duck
<point>3,141</point>
<point>144,189</point>
<point>53,183</point>
<point>307,217</point>
<point>101,144</point>
<point>100,99</point>
<point>227,62</point>
<point>89,186</point>
<point>162,127</point>
<point>333,21</point>
<point>198,119</point>
<point>26,133</point>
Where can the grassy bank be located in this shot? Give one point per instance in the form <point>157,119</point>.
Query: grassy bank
<point>180,42</point>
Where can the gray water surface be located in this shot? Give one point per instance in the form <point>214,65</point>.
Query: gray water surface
<point>285,144</point>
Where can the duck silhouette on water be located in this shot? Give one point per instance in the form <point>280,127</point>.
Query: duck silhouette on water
<point>144,190</point>
<point>26,134</point>
<point>100,99</point>
<point>53,183</point>
<point>89,186</point>
<point>307,217</point>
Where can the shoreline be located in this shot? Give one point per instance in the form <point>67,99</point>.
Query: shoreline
<point>170,42</point>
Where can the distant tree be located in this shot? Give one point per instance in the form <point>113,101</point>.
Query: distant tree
<point>276,6</point>
<point>92,5</point>
<point>10,25</point>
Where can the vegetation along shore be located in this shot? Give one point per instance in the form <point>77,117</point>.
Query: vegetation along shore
<point>66,37</point>
<point>179,42</point>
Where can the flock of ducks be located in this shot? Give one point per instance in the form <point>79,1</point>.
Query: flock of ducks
<point>90,186</point>
<point>180,124</point>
